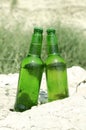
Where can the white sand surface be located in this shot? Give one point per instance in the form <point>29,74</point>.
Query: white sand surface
<point>66,114</point>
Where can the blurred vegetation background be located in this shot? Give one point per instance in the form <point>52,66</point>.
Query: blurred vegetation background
<point>15,41</point>
<point>14,47</point>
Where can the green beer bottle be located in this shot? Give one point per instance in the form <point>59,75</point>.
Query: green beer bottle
<point>55,68</point>
<point>30,75</point>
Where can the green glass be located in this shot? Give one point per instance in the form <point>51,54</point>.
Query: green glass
<point>55,68</point>
<point>30,75</point>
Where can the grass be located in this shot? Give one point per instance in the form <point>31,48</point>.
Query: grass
<point>14,46</point>
<point>72,46</point>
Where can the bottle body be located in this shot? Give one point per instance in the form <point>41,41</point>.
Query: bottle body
<point>55,68</point>
<point>29,83</point>
<point>30,76</point>
<point>56,77</point>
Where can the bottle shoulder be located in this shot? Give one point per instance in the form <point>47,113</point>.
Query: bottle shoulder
<point>31,59</point>
<point>54,59</point>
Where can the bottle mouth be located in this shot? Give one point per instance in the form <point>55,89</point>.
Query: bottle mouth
<point>38,29</point>
<point>50,30</point>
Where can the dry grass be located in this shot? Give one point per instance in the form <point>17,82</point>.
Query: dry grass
<point>14,46</point>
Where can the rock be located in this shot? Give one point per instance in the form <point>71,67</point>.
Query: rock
<point>81,88</point>
<point>65,114</point>
<point>76,75</point>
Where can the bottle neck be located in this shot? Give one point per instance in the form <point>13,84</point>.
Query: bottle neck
<point>52,49</point>
<point>36,44</point>
<point>52,44</point>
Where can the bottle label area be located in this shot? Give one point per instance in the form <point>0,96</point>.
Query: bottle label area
<point>57,66</point>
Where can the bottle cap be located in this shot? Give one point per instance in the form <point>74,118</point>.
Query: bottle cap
<point>50,30</point>
<point>37,29</point>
